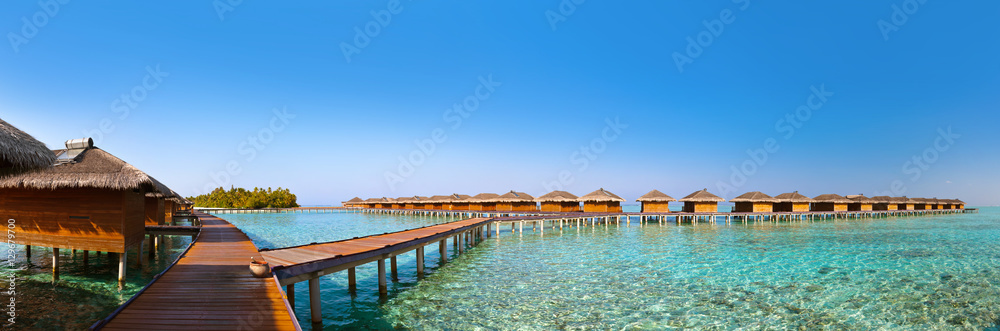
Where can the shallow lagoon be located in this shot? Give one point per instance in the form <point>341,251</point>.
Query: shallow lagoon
<point>939,272</point>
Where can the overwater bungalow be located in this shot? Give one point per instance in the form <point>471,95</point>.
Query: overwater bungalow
<point>369,203</point>
<point>904,203</point>
<point>439,202</point>
<point>403,203</point>
<point>601,201</point>
<point>754,202</point>
<point>884,202</point>
<point>934,203</point>
<point>483,202</point>
<point>154,214</point>
<point>920,204</point>
<point>830,202</point>
<point>860,202</point>
<point>559,201</point>
<point>352,203</point>
<point>515,201</point>
<point>88,200</point>
<point>701,202</point>
<point>385,203</point>
<point>959,204</point>
<point>792,202</point>
<point>655,202</point>
<point>456,201</point>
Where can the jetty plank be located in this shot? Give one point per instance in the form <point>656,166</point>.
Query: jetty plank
<point>209,288</point>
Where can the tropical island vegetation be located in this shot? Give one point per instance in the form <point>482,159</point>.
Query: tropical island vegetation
<point>243,198</point>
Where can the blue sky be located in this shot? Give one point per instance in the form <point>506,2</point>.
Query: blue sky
<point>188,92</point>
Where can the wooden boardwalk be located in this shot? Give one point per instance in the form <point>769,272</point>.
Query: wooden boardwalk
<point>208,288</point>
<point>290,262</point>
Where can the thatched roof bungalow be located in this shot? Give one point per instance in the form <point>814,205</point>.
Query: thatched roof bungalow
<point>457,201</point>
<point>754,202</point>
<point>830,202</point>
<point>483,202</point>
<point>884,202</point>
<point>352,203</point>
<point>655,202</point>
<point>515,201</point>
<point>20,151</point>
<point>89,200</point>
<point>601,201</point>
<point>958,204</point>
<point>403,203</point>
<point>792,202</point>
<point>559,201</point>
<point>860,202</point>
<point>438,202</point>
<point>701,202</point>
<point>420,202</point>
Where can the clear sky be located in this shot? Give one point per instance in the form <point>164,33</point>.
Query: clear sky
<point>830,96</point>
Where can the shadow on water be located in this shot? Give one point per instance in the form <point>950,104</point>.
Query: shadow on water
<point>85,293</point>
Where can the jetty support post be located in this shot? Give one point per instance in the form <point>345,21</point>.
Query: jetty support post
<point>290,294</point>
<point>382,287</point>
<point>315,311</point>
<point>420,261</point>
<point>443,248</point>
<point>392,266</point>
<point>352,280</point>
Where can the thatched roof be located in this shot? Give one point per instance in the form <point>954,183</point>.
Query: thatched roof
<point>792,197</point>
<point>655,196</point>
<point>484,197</point>
<point>438,199</point>
<point>387,200</point>
<point>20,151</point>
<point>370,201</point>
<point>832,198</point>
<point>557,196</point>
<point>404,199</point>
<point>861,198</point>
<point>92,168</point>
<point>354,200</point>
<point>420,199</point>
<point>755,196</point>
<point>702,196</point>
<point>514,197</point>
<point>601,195</point>
<point>455,197</point>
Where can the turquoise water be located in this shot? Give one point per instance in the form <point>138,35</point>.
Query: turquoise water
<point>923,273</point>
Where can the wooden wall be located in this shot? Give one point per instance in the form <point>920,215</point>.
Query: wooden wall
<point>602,207</point>
<point>791,207</point>
<point>701,207</point>
<point>655,207</point>
<point>483,206</point>
<point>560,206</point>
<point>168,207</point>
<point>753,207</point>
<point>154,211</point>
<point>829,206</point>
<point>458,206</point>
<point>85,219</point>
<point>517,206</point>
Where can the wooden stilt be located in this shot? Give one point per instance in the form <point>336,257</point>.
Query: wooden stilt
<point>27,251</point>
<point>139,253</point>
<point>352,281</point>
<point>382,287</point>
<point>290,294</point>
<point>443,248</point>
<point>315,310</point>
<point>392,267</point>
<point>121,268</point>
<point>55,265</point>
<point>152,246</point>
<point>86,256</point>
<point>420,261</point>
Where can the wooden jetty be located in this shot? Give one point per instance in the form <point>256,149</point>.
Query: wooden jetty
<point>309,262</point>
<point>209,287</point>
